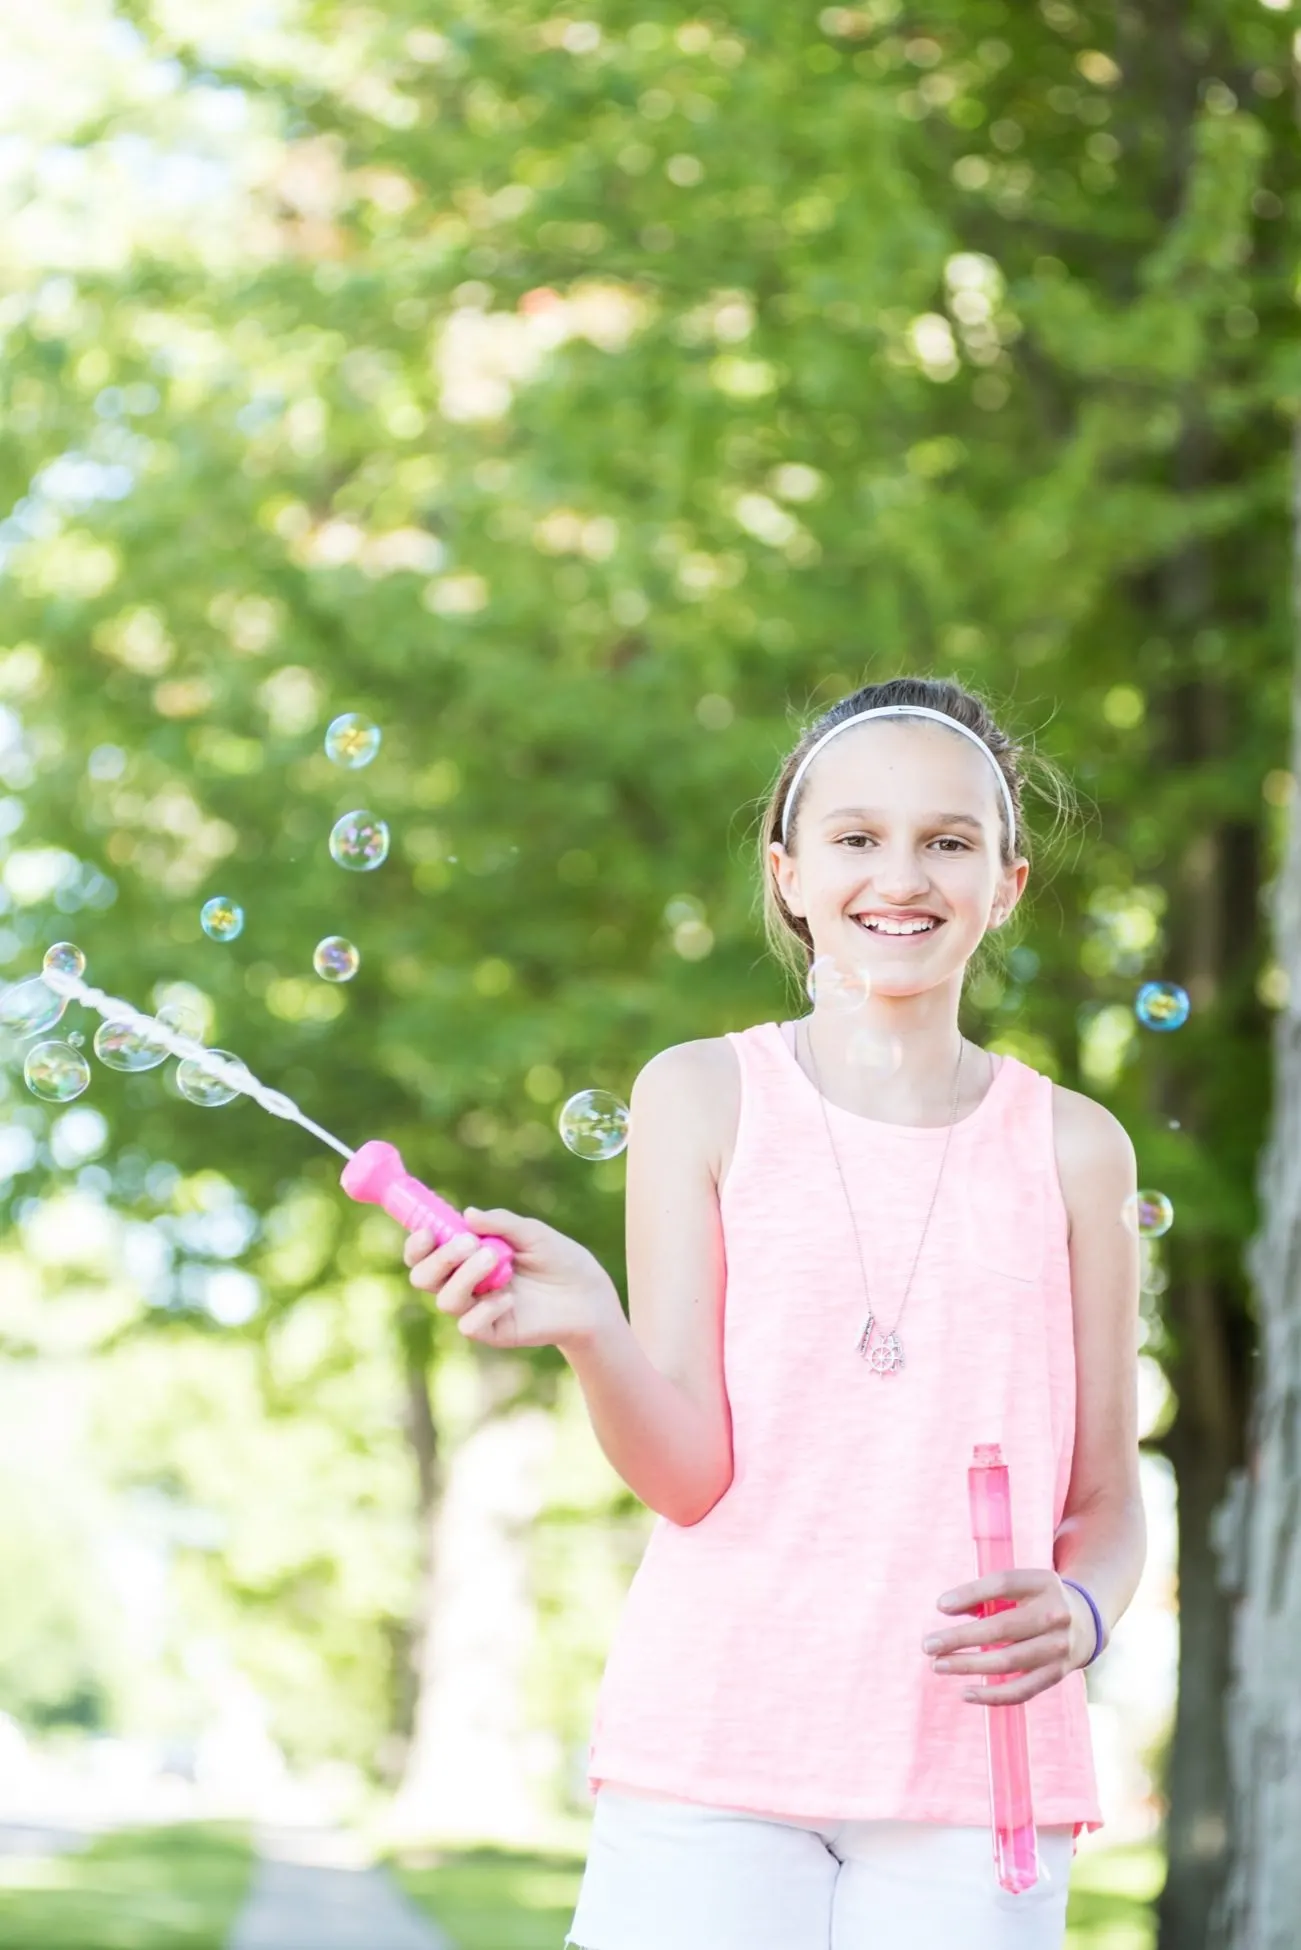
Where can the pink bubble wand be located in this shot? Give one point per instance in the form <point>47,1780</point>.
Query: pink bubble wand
<point>373,1175</point>
<point>1016,1851</point>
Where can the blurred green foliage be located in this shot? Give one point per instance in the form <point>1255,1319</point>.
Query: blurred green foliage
<point>587,400</point>
<point>150,1889</point>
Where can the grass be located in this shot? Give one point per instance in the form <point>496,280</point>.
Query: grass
<point>1112,1893</point>
<point>491,1899</point>
<point>152,1889</point>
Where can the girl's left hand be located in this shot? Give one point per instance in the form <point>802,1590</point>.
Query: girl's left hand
<point>1049,1628</point>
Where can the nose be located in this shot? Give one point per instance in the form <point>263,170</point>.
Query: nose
<point>898,874</point>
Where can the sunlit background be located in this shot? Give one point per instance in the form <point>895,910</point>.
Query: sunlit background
<point>584,399</point>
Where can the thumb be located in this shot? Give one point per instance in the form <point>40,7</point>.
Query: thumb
<point>513,1227</point>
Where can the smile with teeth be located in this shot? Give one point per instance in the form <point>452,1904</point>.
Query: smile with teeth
<point>882,924</point>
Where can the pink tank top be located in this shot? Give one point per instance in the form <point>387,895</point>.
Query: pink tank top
<point>769,1657</point>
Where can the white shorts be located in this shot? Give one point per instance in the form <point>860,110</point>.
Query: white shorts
<point>672,1875</point>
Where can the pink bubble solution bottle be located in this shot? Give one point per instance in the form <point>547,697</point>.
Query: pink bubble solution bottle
<point>1016,1851</point>
<point>375,1175</point>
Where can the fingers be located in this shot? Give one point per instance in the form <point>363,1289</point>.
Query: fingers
<point>1013,1692</point>
<point>513,1227</point>
<point>482,1321</point>
<point>1021,1622</point>
<point>1027,1655</point>
<point>452,1272</point>
<point>417,1247</point>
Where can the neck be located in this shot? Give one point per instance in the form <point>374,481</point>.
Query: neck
<point>874,1060</point>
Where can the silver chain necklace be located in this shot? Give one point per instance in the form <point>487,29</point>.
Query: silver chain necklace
<point>886,1357</point>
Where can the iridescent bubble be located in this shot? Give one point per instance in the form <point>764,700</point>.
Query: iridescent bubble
<point>201,1087</point>
<point>183,1019</point>
<point>594,1124</point>
<point>336,960</point>
<point>221,918</point>
<point>839,986</point>
<point>879,1055</point>
<point>56,1072</point>
<point>1162,1005</point>
<point>1153,1275</point>
<point>64,959</point>
<point>120,1047</point>
<point>359,842</point>
<point>184,1009</point>
<point>1149,1214</point>
<point>352,741</point>
<point>29,1007</point>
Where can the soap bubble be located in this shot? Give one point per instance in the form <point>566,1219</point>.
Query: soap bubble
<point>64,959</point>
<point>199,1085</point>
<point>29,1007</point>
<point>880,1056</point>
<point>56,1072</point>
<point>359,842</point>
<point>221,918</point>
<point>1153,1277</point>
<point>352,741</point>
<point>594,1124</point>
<point>1162,1005</point>
<point>1149,1214</point>
<point>837,986</point>
<point>183,1018</point>
<point>336,960</point>
<point>183,1009</point>
<point>120,1047</point>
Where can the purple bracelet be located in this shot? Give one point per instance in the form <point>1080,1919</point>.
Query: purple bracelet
<point>1097,1618</point>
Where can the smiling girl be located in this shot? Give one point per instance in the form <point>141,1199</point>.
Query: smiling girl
<point>858,1245</point>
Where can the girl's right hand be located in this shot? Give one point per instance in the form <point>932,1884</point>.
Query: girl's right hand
<point>559,1294</point>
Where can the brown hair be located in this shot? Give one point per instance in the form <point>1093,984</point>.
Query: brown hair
<point>788,934</point>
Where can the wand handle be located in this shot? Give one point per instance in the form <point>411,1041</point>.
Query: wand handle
<point>1016,1853</point>
<point>375,1175</point>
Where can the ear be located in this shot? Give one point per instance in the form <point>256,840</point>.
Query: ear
<point>787,876</point>
<point>1009,893</point>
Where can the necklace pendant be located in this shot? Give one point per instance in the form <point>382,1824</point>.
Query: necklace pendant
<point>866,1336</point>
<point>887,1356</point>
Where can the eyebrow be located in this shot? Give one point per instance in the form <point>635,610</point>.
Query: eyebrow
<point>931,819</point>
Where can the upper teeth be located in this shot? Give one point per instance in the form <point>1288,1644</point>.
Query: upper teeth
<point>898,927</point>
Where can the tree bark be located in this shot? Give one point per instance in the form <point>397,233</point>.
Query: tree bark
<point>415,1336</point>
<point>1213,945</point>
<point>1261,1905</point>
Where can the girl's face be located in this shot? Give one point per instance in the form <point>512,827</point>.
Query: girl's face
<point>898,828</point>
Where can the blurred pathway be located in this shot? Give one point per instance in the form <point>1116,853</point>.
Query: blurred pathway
<point>302,1900</point>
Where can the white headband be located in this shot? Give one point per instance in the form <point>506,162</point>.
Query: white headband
<point>899,711</point>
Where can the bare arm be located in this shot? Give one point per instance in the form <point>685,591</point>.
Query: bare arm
<point>654,1387</point>
<point>1102,1538</point>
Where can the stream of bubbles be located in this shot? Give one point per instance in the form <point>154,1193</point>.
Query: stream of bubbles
<point>234,1075</point>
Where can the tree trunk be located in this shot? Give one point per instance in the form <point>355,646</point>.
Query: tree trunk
<point>1261,1907</point>
<point>1214,924</point>
<point>415,1337</point>
<point>474,1765</point>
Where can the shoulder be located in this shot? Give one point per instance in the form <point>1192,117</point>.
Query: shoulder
<point>700,1066</point>
<point>1095,1154</point>
<point>691,1095</point>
